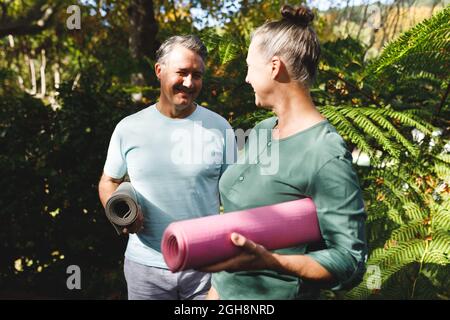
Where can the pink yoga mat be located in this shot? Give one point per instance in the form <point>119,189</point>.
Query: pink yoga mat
<point>194,243</point>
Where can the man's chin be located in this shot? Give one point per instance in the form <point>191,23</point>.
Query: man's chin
<point>262,106</point>
<point>181,105</point>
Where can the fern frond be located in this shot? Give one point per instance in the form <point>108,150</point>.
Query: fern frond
<point>372,130</point>
<point>395,216</point>
<point>363,290</point>
<point>445,157</point>
<point>441,242</point>
<point>408,118</point>
<point>398,253</point>
<point>225,47</point>
<point>396,189</point>
<point>428,40</point>
<point>442,171</point>
<point>437,257</point>
<point>346,128</point>
<point>442,219</point>
<point>413,211</point>
<point>410,231</point>
<point>391,130</point>
<point>228,51</point>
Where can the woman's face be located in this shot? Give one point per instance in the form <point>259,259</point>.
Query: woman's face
<point>259,75</point>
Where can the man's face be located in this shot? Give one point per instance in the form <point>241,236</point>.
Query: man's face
<point>180,76</point>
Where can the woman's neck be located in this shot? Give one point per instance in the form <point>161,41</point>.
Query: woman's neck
<point>295,111</point>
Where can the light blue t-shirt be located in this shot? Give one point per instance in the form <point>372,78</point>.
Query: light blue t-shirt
<point>174,166</point>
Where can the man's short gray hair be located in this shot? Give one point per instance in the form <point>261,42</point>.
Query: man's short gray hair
<point>190,42</point>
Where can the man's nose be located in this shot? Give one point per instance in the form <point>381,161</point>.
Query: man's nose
<point>246,79</point>
<point>187,81</point>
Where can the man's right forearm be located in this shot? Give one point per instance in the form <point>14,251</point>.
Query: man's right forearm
<point>106,188</point>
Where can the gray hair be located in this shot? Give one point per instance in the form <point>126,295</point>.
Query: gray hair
<point>190,42</point>
<point>294,41</point>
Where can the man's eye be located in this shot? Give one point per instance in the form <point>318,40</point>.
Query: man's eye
<point>197,75</point>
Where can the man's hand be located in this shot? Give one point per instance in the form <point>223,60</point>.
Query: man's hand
<point>212,294</point>
<point>137,225</point>
<point>253,257</point>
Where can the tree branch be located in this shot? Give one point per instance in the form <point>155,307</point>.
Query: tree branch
<point>353,86</point>
<point>38,18</point>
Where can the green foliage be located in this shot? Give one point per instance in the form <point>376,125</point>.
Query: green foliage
<point>424,49</point>
<point>408,230</point>
<point>222,48</point>
<point>51,158</point>
<point>413,238</point>
<point>370,127</point>
<point>50,163</point>
<point>224,88</point>
<point>419,238</point>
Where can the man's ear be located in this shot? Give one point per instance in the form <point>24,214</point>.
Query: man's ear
<point>158,68</point>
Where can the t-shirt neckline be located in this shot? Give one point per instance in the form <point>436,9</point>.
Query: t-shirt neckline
<point>297,133</point>
<point>178,120</point>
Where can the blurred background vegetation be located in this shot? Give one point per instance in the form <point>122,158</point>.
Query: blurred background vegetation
<point>383,82</point>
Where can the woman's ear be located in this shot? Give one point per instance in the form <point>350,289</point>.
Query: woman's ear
<point>279,71</point>
<point>277,66</point>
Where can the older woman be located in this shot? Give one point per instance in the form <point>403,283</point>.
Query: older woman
<point>313,162</point>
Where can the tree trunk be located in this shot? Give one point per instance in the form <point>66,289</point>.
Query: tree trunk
<point>30,62</point>
<point>56,76</point>
<point>433,6</point>
<point>11,40</point>
<point>348,20</point>
<point>143,29</point>
<point>385,22</point>
<point>363,21</point>
<point>397,19</point>
<point>142,39</point>
<point>42,74</point>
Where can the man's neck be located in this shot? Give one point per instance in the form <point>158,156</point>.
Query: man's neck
<point>174,112</point>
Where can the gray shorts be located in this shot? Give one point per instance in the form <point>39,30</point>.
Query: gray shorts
<point>151,283</point>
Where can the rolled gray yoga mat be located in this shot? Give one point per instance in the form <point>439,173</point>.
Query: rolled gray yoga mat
<point>122,207</point>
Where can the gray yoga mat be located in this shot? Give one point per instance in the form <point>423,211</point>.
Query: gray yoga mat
<point>122,207</point>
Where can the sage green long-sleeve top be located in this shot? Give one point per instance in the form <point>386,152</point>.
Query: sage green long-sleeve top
<point>313,163</point>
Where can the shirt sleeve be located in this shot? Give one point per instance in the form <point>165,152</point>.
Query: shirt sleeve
<point>338,198</point>
<point>115,165</point>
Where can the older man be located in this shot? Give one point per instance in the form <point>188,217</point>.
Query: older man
<point>174,153</point>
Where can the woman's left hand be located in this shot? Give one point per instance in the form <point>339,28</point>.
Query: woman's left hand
<point>253,257</point>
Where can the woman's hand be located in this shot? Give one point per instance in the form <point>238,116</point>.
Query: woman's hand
<point>256,257</point>
<point>253,257</point>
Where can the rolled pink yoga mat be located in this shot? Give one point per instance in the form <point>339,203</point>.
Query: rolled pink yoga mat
<point>195,243</point>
